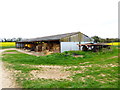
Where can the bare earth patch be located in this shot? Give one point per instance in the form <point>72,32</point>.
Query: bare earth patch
<point>54,71</point>
<point>48,73</point>
<point>84,63</point>
<point>22,51</point>
<point>113,57</point>
<point>9,52</point>
<point>7,79</point>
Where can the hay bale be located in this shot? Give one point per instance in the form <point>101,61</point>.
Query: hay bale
<point>56,47</point>
<point>44,46</point>
<point>47,52</point>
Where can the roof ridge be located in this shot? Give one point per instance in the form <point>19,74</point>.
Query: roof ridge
<point>57,34</point>
<point>51,37</point>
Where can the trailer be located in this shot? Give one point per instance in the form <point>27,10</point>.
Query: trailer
<point>93,47</point>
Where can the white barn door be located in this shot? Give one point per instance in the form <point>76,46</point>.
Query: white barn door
<point>68,46</point>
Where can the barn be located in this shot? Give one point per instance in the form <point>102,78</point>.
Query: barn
<point>55,43</point>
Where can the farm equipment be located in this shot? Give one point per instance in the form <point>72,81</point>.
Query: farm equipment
<point>94,47</point>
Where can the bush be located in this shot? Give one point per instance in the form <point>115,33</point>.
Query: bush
<point>74,52</point>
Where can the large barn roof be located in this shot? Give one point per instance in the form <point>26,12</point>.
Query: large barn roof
<point>48,38</point>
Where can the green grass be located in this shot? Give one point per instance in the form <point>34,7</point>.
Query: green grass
<point>97,73</point>
<point>24,69</point>
<point>6,47</point>
<point>59,58</point>
<point>43,83</point>
<point>10,51</point>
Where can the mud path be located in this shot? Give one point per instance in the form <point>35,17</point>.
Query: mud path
<point>6,78</point>
<point>23,51</point>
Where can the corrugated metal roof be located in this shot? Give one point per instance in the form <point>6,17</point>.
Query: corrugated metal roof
<point>48,38</point>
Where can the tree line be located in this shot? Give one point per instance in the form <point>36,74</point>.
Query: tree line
<point>10,39</point>
<point>98,39</point>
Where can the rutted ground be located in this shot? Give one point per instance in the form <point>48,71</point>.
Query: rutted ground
<point>63,72</point>
<point>8,81</point>
<point>50,73</point>
<point>6,77</point>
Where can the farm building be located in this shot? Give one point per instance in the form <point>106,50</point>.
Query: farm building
<point>55,43</point>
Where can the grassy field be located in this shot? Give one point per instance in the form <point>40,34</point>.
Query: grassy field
<point>4,45</point>
<point>93,70</point>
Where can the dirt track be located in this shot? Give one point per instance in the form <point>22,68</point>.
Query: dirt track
<point>6,78</point>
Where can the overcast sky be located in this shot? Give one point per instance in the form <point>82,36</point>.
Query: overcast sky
<point>36,18</point>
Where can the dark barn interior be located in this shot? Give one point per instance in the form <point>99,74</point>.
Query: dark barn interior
<point>53,46</point>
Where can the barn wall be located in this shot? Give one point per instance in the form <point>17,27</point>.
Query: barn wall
<point>68,46</point>
<point>76,38</point>
<point>20,45</point>
<point>70,42</point>
<point>85,39</point>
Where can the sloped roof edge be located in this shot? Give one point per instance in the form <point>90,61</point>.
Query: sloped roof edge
<point>52,37</point>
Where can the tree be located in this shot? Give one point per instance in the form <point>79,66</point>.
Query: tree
<point>13,39</point>
<point>10,39</point>
<point>102,40</point>
<point>5,40</point>
<point>18,39</point>
<point>96,39</point>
